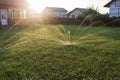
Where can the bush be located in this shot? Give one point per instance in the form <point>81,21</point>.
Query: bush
<point>91,16</point>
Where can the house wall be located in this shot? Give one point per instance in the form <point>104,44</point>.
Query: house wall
<point>74,14</point>
<point>56,14</point>
<point>60,14</point>
<point>115,9</point>
<point>11,15</point>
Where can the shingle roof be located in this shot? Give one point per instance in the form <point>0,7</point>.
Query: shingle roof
<point>108,4</point>
<point>14,2</point>
<point>80,9</point>
<point>54,9</point>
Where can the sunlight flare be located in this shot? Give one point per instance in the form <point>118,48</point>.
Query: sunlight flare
<point>35,4</point>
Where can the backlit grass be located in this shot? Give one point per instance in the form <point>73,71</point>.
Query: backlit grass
<point>60,52</point>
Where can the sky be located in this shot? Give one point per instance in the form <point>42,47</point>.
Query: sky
<point>39,5</point>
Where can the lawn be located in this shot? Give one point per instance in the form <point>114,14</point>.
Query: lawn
<point>60,52</point>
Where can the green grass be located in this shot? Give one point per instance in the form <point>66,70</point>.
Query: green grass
<point>44,52</point>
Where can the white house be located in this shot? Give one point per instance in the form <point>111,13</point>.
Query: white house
<point>114,6</point>
<point>76,12</point>
<point>55,12</point>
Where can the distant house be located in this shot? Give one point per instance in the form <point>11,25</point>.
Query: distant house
<point>55,12</point>
<point>76,12</point>
<point>12,10</point>
<point>114,6</point>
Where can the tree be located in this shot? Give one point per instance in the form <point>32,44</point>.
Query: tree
<point>90,12</point>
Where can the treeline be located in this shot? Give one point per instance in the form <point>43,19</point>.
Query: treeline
<point>91,17</point>
<point>97,18</point>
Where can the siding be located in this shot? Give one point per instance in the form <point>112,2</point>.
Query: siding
<point>75,13</point>
<point>115,9</point>
<point>54,11</point>
<point>57,14</point>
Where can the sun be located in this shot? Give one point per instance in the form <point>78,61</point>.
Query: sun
<point>36,5</point>
<point>39,5</point>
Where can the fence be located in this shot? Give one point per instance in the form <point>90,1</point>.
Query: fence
<point>67,21</point>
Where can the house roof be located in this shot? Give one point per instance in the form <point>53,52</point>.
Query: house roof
<point>109,3</point>
<point>22,3</point>
<point>80,9</point>
<point>54,9</point>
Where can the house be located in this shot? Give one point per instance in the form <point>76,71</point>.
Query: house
<point>114,6</point>
<point>12,10</point>
<point>76,12</point>
<point>55,12</point>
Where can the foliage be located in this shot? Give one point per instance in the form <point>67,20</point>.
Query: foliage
<point>90,12</point>
<point>93,17</point>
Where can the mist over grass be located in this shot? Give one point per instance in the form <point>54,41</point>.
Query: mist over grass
<point>60,52</point>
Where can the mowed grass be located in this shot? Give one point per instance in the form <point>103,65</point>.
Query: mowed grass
<point>60,52</point>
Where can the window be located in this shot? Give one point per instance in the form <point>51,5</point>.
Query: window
<point>21,14</point>
<point>3,16</point>
<point>3,13</point>
<point>12,13</point>
<point>73,16</point>
<point>64,16</point>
